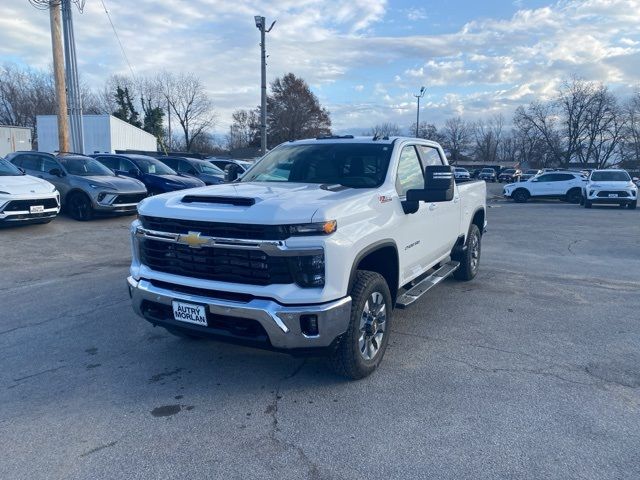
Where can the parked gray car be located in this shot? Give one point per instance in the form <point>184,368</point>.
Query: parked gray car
<point>86,186</point>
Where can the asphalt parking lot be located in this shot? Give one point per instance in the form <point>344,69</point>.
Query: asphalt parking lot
<point>532,370</point>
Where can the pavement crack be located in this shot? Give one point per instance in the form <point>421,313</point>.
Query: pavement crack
<point>50,370</point>
<point>97,449</point>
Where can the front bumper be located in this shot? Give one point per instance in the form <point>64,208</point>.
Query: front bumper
<point>619,196</point>
<point>257,321</point>
<point>108,204</point>
<point>24,215</point>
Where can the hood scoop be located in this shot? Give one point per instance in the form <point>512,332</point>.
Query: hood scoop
<point>237,201</point>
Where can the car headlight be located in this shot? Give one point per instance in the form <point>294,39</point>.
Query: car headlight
<point>4,193</point>
<point>308,270</point>
<point>317,228</point>
<point>96,185</point>
<point>595,185</point>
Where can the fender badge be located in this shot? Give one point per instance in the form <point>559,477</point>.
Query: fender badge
<point>384,199</point>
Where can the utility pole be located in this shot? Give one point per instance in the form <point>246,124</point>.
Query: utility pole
<point>55,16</point>
<point>261,25</point>
<point>74,98</point>
<point>169,119</point>
<point>419,96</point>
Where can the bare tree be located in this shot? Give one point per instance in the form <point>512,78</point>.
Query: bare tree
<point>386,129</point>
<point>456,138</point>
<point>189,102</point>
<point>245,130</point>
<point>630,145</point>
<point>488,136</point>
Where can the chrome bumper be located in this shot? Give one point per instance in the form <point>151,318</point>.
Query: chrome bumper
<point>282,323</point>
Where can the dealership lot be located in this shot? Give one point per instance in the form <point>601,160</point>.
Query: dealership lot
<point>532,370</point>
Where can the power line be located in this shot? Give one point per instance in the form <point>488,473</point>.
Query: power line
<point>113,27</point>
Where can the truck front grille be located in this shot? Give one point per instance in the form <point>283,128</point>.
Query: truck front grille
<point>252,267</point>
<point>23,205</point>
<point>216,229</point>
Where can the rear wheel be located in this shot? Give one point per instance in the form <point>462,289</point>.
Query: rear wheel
<point>470,261</point>
<point>520,196</point>
<point>79,206</point>
<point>362,346</point>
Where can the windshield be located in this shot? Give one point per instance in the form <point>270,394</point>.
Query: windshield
<point>487,170</point>
<point>209,169</point>
<point>84,166</point>
<point>7,169</point>
<point>613,176</point>
<point>462,170</point>
<point>356,165</point>
<point>509,170</point>
<point>153,166</point>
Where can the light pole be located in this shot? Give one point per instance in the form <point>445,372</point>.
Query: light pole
<point>261,25</point>
<point>419,96</point>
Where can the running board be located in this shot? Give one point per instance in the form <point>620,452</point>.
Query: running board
<point>415,292</point>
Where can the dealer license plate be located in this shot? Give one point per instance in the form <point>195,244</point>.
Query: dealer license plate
<point>613,195</point>
<point>190,313</point>
<point>36,209</point>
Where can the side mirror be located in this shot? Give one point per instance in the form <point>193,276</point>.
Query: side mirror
<point>22,170</point>
<point>438,186</point>
<point>134,171</point>
<point>192,171</point>
<point>636,179</point>
<point>56,171</point>
<point>232,172</point>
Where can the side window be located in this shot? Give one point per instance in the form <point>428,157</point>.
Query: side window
<point>544,178</point>
<point>184,167</point>
<point>566,177</point>
<point>109,162</point>
<point>31,162</point>
<point>430,156</point>
<point>171,162</point>
<point>49,164</point>
<point>126,165</point>
<point>410,174</point>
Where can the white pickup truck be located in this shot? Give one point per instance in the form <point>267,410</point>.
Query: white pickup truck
<point>311,249</point>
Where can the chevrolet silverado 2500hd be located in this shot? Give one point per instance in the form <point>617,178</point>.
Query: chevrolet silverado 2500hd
<point>311,250</point>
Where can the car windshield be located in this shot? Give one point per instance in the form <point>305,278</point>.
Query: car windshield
<point>209,169</point>
<point>461,170</point>
<point>153,166</point>
<point>84,166</point>
<point>613,176</point>
<point>7,169</point>
<point>355,165</point>
<point>509,170</point>
<point>487,170</point>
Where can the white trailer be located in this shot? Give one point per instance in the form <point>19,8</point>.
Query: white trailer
<point>13,139</point>
<point>102,134</point>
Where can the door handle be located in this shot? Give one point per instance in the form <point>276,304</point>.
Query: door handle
<point>456,199</point>
<point>432,206</point>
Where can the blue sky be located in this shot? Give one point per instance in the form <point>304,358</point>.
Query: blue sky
<point>363,58</point>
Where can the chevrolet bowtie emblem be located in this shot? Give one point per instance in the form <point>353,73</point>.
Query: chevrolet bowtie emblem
<point>193,239</point>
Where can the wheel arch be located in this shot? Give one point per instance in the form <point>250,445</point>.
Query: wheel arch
<point>376,258</point>
<point>73,191</point>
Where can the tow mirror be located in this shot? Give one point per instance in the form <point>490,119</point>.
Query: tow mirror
<point>56,172</point>
<point>232,172</point>
<point>438,187</point>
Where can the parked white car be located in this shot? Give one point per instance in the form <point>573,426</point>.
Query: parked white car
<point>461,173</point>
<point>25,199</point>
<point>610,186</point>
<point>563,185</point>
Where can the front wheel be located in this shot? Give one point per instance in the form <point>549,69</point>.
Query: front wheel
<point>362,346</point>
<point>587,203</point>
<point>470,261</point>
<point>520,196</point>
<point>633,205</point>
<point>574,196</point>
<point>79,206</point>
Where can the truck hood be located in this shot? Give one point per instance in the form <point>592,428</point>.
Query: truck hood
<point>272,203</point>
<point>24,184</point>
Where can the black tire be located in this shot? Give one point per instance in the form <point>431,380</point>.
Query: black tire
<point>349,357</point>
<point>520,195</point>
<point>587,203</point>
<point>78,205</point>
<point>633,205</point>
<point>574,195</point>
<point>470,262</point>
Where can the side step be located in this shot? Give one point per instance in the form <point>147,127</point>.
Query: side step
<point>415,292</point>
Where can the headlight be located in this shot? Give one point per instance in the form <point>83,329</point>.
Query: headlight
<point>317,228</point>
<point>6,193</point>
<point>53,189</point>
<point>595,185</point>
<point>95,185</point>
<point>308,271</point>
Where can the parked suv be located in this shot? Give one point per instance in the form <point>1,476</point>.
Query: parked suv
<point>487,174</point>
<point>610,186</point>
<point>25,199</point>
<point>156,176</point>
<point>562,185</point>
<point>85,185</point>
<point>509,175</point>
<point>194,167</point>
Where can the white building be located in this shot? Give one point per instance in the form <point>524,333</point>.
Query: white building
<point>102,134</point>
<point>13,139</point>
